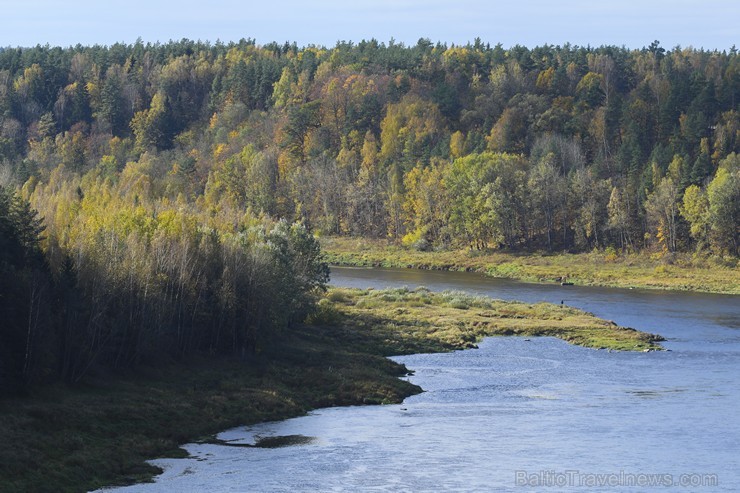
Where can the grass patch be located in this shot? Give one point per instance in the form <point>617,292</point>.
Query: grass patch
<point>683,272</point>
<point>403,321</point>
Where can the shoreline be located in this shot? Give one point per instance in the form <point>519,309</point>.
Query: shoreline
<point>637,271</point>
<point>419,320</point>
<point>100,435</point>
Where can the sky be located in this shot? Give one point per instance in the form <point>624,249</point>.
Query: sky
<point>708,24</point>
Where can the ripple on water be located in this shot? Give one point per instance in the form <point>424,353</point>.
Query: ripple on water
<point>512,406</point>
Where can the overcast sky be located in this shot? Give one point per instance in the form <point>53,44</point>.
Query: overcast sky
<point>710,24</point>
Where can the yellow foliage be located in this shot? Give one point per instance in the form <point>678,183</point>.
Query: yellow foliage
<point>457,144</point>
<point>412,238</point>
<point>662,238</point>
<point>218,150</point>
<point>285,164</point>
<point>545,78</point>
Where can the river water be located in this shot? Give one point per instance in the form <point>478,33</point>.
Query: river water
<point>515,415</point>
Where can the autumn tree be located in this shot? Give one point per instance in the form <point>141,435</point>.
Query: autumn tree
<point>723,194</point>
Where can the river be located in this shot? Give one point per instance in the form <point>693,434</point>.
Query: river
<point>516,415</point>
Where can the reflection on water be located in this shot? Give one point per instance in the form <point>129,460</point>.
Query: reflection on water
<point>512,408</point>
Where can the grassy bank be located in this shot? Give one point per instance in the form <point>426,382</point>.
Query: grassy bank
<point>673,272</point>
<point>418,321</point>
<point>62,439</point>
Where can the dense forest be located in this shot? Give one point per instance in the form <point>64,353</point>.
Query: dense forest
<point>125,284</point>
<point>163,198</point>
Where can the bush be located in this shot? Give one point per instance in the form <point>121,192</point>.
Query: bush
<point>416,241</point>
<point>610,254</point>
<point>324,314</point>
<point>337,296</point>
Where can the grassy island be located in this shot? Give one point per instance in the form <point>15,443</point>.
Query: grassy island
<point>418,321</point>
<point>75,439</point>
<point>682,272</point>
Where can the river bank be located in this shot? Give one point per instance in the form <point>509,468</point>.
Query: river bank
<point>76,439</point>
<point>608,269</point>
<point>63,439</point>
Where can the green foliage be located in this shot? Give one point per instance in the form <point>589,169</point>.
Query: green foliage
<point>589,89</point>
<point>25,298</point>
<point>487,193</point>
<point>152,127</point>
<point>695,209</point>
<point>301,274</point>
<point>358,138</point>
<point>181,183</point>
<point>662,209</point>
<point>723,194</point>
<point>136,278</point>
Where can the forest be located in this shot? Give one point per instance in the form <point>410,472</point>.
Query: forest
<point>164,199</point>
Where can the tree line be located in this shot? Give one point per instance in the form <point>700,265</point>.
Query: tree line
<point>178,186</point>
<point>616,147</point>
<point>339,137</point>
<point>109,281</point>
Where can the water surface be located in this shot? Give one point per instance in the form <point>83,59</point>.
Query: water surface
<point>515,414</point>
